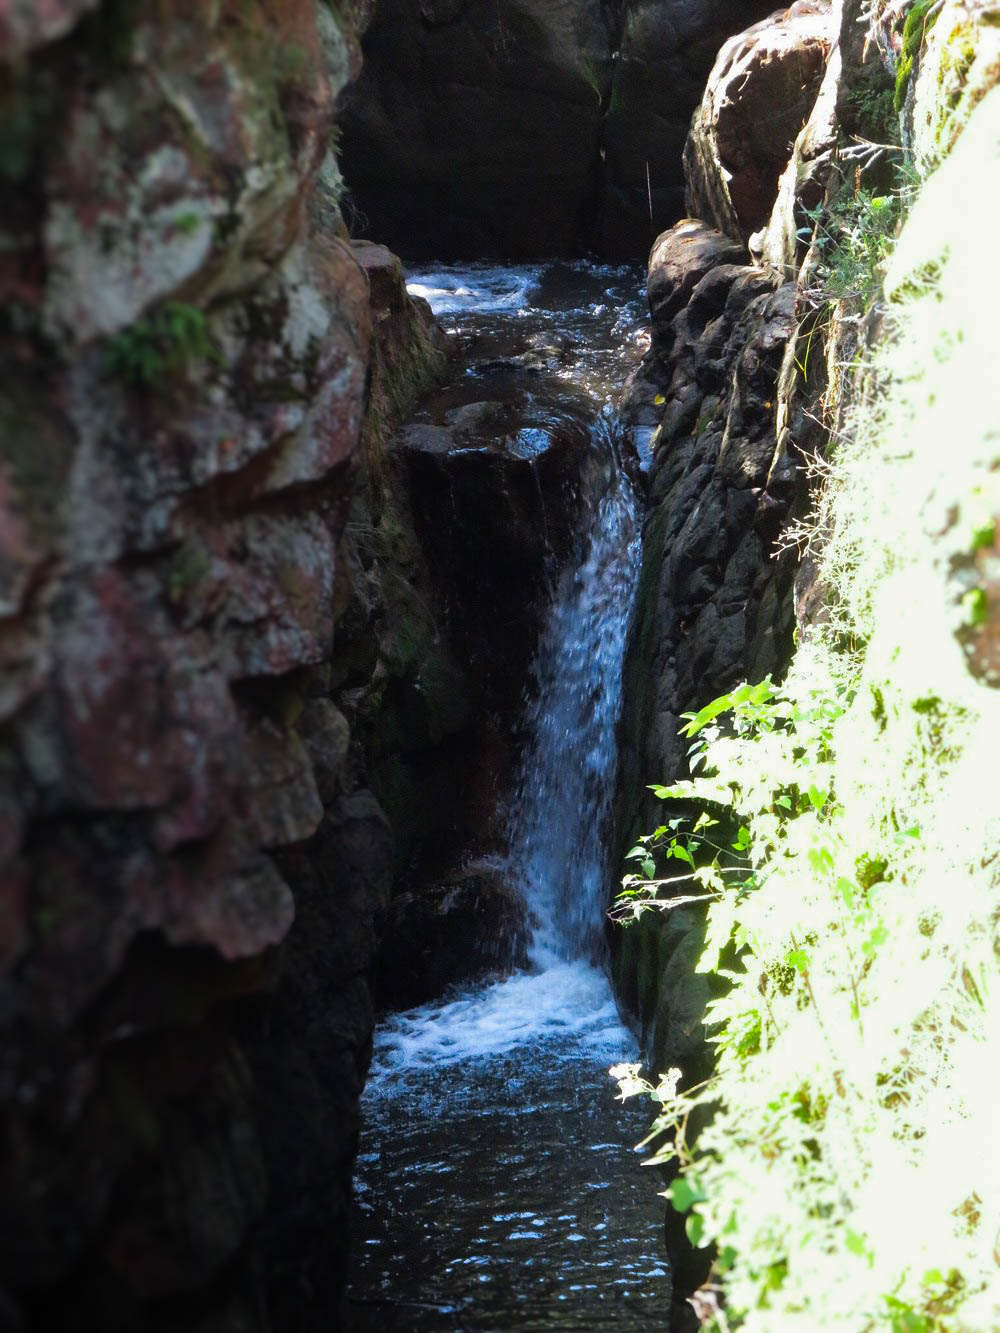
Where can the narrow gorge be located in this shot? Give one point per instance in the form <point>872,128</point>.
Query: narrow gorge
<point>426,428</point>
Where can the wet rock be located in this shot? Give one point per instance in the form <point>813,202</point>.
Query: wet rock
<point>760,92</point>
<point>469,927</point>
<point>495,496</point>
<point>680,258</point>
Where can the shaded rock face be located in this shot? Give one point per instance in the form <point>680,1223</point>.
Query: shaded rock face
<point>464,110</point>
<point>525,127</point>
<point>497,503</point>
<point>453,553</point>
<point>717,501</point>
<point>468,928</point>
<point>189,859</point>
<point>658,74</point>
<point>760,92</point>
<point>730,418</point>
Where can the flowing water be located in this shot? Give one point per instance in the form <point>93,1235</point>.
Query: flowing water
<point>496,1184</point>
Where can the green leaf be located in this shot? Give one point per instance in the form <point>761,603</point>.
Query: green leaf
<point>743,839</point>
<point>821,859</point>
<point>798,959</point>
<point>857,1245</point>
<point>682,854</point>
<point>684,1192</point>
<point>649,867</point>
<point>975,607</point>
<point>709,713</point>
<point>694,1225</point>
<point>874,941</point>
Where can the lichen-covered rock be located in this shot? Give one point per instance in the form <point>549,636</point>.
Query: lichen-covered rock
<point>25,24</point>
<point>956,62</point>
<point>759,94</point>
<point>185,343</point>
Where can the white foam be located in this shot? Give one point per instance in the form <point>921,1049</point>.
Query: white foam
<point>568,1008</point>
<point>472,287</point>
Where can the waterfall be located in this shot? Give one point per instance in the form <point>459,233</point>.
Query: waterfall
<point>495,1189</point>
<point>560,821</point>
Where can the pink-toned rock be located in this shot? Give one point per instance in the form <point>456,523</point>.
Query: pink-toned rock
<point>183,367</point>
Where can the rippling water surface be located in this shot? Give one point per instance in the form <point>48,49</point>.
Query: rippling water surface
<point>497,1188</point>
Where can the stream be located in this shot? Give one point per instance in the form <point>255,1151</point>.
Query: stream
<point>497,1186</point>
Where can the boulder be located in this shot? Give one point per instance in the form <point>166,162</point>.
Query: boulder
<point>680,258</point>
<point>760,91</point>
<point>496,493</point>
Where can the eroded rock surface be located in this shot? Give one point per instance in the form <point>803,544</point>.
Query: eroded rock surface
<point>469,927</point>
<point>759,94</point>
<point>185,344</point>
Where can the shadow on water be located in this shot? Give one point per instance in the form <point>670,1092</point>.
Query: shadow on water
<point>496,1184</point>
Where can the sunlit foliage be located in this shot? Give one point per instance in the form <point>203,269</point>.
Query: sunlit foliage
<point>847,850</point>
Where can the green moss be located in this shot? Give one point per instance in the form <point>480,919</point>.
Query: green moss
<point>22,107</point>
<point>188,566</point>
<point>186,223</point>
<point>919,22</point>
<point>170,340</point>
<point>37,450</point>
<point>401,373</point>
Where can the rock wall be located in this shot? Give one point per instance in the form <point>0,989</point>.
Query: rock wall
<point>255,692</point>
<point>732,420</point>
<point>520,128</point>
<point>747,383</point>
<point>190,859</point>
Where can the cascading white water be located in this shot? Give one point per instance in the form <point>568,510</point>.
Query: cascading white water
<point>559,839</point>
<point>560,817</point>
<point>490,1194</point>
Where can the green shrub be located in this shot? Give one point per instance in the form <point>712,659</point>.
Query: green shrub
<point>849,1177</point>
